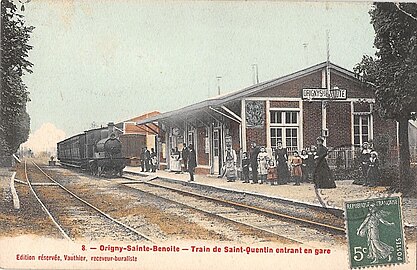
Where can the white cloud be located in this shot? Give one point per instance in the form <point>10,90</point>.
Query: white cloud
<point>44,139</point>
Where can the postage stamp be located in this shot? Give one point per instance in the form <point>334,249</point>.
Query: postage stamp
<point>375,232</point>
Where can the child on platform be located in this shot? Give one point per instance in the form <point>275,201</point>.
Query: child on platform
<point>296,163</point>
<point>272,173</point>
<point>245,167</point>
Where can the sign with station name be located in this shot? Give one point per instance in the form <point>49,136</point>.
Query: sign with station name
<point>323,93</point>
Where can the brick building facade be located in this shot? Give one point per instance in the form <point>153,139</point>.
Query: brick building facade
<point>294,109</point>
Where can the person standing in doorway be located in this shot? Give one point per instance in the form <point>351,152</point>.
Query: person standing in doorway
<point>254,162</point>
<point>184,154</point>
<point>192,161</point>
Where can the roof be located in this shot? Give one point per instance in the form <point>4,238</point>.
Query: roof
<point>251,90</point>
<point>140,117</point>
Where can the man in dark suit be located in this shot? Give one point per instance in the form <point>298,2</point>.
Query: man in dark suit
<point>192,161</point>
<point>143,158</point>
<point>147,159</point>
<point>185,154</point>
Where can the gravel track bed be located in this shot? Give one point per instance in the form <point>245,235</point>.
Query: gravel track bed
<point>30,219</point>
<point>325,216</point>
<point>155,217</point>
<point>35,175</point>
<point>79,220</point>
<point>280,227</point>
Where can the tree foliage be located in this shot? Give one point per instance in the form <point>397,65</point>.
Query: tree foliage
<point>392,72</point>
<point>14,120</point>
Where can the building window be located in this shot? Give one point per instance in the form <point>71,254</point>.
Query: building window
<point>276,117</point>
<point>361,129</point>
<point>284,127</point>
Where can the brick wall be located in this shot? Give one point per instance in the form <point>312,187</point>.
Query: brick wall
<point>162,138</point>
<point>384,126</point>
<point>234,132</point>
<point>355,89</point>
<point>311,122</point>
<point>339,124</point>
<point>361,107</point>
<point>256,134</point>
<point>202,156</point>
<point>284,104</point>
<point>293,88</point>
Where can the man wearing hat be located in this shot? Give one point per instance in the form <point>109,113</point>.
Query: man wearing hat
<point>322,176</point>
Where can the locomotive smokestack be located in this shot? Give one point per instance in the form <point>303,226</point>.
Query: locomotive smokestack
<point>110,127</point>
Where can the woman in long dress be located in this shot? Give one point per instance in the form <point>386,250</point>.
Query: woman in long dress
<point>322,176</point>
<point>376,248</point>
<point>281,158</point>
<point>230,164</point>
<point>373,169</point>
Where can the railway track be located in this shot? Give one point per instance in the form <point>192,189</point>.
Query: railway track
<point>73,216</point>
<point>265,220</point>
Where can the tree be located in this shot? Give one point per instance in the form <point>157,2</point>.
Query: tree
<point>14,120</point>
<point>393,72</point>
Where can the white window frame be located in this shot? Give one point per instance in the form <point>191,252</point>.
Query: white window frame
<point>361,116</point>
<point>284,126</point>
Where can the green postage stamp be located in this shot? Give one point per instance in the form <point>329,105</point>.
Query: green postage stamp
<point>375,232</point>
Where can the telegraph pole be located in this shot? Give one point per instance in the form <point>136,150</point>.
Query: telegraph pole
<point>218,84</point>
<point>255,74</point>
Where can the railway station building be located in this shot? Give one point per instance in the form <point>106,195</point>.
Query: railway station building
<point>322,100</point>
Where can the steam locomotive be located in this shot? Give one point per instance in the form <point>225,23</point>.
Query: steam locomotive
<point>98,151</point>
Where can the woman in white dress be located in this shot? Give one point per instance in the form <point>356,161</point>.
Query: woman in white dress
<point>263,160</point>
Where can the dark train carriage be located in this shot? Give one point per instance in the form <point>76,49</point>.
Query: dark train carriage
<point>97,150</point>
<point>132,147</point>
<point>71,151</point>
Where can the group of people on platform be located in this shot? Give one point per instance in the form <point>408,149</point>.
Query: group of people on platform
<point>369,163</point>
<point>149,160</point>
<point>308,166</point>
<point>184,160</point>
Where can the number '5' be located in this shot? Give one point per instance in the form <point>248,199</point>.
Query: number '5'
<point>358,253</point>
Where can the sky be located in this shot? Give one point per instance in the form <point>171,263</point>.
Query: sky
<point>111,60</point>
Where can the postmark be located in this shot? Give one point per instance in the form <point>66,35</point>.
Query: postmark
<point>375,232</point>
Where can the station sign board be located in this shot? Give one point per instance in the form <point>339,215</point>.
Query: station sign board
<point>323,94</point>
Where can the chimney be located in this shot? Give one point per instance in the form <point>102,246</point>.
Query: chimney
<point>110,127</point>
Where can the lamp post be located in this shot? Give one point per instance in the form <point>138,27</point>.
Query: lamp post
<point>255,74</point>
<point>218,84</point>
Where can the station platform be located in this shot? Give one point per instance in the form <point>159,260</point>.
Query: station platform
<point>305,193</point>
